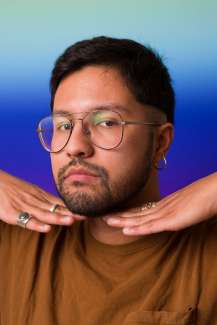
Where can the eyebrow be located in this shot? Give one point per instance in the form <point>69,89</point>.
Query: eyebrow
<point>110,107</point>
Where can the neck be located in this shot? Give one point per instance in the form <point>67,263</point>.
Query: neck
<point>107,234</point>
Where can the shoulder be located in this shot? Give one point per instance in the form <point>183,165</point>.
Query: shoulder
<point>198,242</point>
<point>203,230</point>
<point>204,233</point>
<point>203,239</point>
<point>210,242</point>
<point>16,239</point>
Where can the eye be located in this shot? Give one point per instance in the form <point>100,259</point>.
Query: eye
<point>108,123</point>
<point>64,126</point>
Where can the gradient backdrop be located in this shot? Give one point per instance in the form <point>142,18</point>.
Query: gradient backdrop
<point>34,33</point>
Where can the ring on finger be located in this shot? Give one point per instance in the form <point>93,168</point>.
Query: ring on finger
<point>54,207</point>
<point>23,219</point>
<point>148,205</point>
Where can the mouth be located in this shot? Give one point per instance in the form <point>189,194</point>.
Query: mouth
<point>83,178</point>
<point>80,175</point>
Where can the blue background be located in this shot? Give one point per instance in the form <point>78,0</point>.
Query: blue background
<point>34,34</point>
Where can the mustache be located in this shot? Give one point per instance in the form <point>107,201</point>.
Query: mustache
<point>79,162</point>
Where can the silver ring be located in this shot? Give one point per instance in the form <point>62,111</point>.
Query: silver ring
<point>148,205</point>
<point>54,207</point>
<point>23,218</point>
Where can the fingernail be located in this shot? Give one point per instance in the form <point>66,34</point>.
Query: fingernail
<point>112,221</point>
<point>127,230</point>
<point>45,227</point>
<point>80,217</point>
<point>67,219</point>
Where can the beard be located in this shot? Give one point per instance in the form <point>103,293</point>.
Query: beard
<point>104,198</point>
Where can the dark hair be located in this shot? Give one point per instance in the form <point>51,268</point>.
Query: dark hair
<point>141,67</point>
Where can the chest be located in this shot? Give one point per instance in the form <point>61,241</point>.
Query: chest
<point>65,289</point>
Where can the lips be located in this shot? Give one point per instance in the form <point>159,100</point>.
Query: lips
<point>79,171</point>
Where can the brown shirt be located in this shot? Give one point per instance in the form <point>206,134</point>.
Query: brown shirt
<point>67,277</point>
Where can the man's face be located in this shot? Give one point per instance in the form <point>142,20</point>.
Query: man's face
<point>116,175</point>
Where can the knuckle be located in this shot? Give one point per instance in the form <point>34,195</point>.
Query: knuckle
<point>53,217</point>
<point>150,226</point>
<point>43,216</point>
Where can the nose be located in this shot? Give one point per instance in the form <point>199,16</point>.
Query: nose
<point>79,145</point>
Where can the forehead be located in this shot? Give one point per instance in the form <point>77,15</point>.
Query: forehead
<point>97,87</point>
<point>92,86</point>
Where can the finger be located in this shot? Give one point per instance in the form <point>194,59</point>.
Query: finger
<point>54,199</point>
<point>133,220</point>
<point>35,225</point>
<point>142,211</point>
<point>59,216</point>
<point>54,218</point>
<point>60,209</point>
<point>32,224</point>
<point>123,222</point>
<point>57,208</point>
<point>47,217</point>
<point>40,195</point>
<point>63,211</point>
<point>43,225</point>
<point>38,203</point>
<point>148,228</point>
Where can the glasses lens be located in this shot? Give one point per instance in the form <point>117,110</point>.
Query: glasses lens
<point>104,128</point>
<point>54,132</point>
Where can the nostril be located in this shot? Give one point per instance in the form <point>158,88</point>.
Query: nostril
<point>81,154</point>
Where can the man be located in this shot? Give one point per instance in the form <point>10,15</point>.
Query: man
<point>111,124</point>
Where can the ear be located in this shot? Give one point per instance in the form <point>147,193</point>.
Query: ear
<point>163,140</point>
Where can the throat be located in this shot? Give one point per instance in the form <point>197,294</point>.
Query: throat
<point>106,234</point>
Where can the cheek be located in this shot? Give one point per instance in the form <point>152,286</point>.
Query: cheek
<point>137,139</point>
<point>56,164</point>
<point>135,145</point>
<point>133,155</point>
<point>128,160</point>
<point>140,146</point>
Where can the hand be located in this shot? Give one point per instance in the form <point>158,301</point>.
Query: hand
<point>190,205</point>
<point>18,196</point>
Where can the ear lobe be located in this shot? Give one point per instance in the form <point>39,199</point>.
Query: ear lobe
<point>163,141</point>
<point>162,164</point>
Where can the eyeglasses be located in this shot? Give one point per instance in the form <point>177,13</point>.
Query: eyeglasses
<point>104,128</point>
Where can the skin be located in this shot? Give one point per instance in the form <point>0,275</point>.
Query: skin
<point>86,90</point>
<point>17,195</point>
<point>193,204</point>
<point>190,205</point>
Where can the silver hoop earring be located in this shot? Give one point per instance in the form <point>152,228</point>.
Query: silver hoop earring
<point>164,164</point>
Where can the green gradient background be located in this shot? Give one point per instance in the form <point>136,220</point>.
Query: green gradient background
<point>37,31</point>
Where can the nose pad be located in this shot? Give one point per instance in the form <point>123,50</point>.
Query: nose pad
<point>86,132</point>
<point>85,129</point>
<point>78,145</point>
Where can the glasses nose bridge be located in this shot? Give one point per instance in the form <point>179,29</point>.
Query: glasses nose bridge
<point>78,131</point>
<point>94,128</point>
<point>81,119</point>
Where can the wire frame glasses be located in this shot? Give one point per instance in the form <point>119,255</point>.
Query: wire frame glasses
<point>104,128</point>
